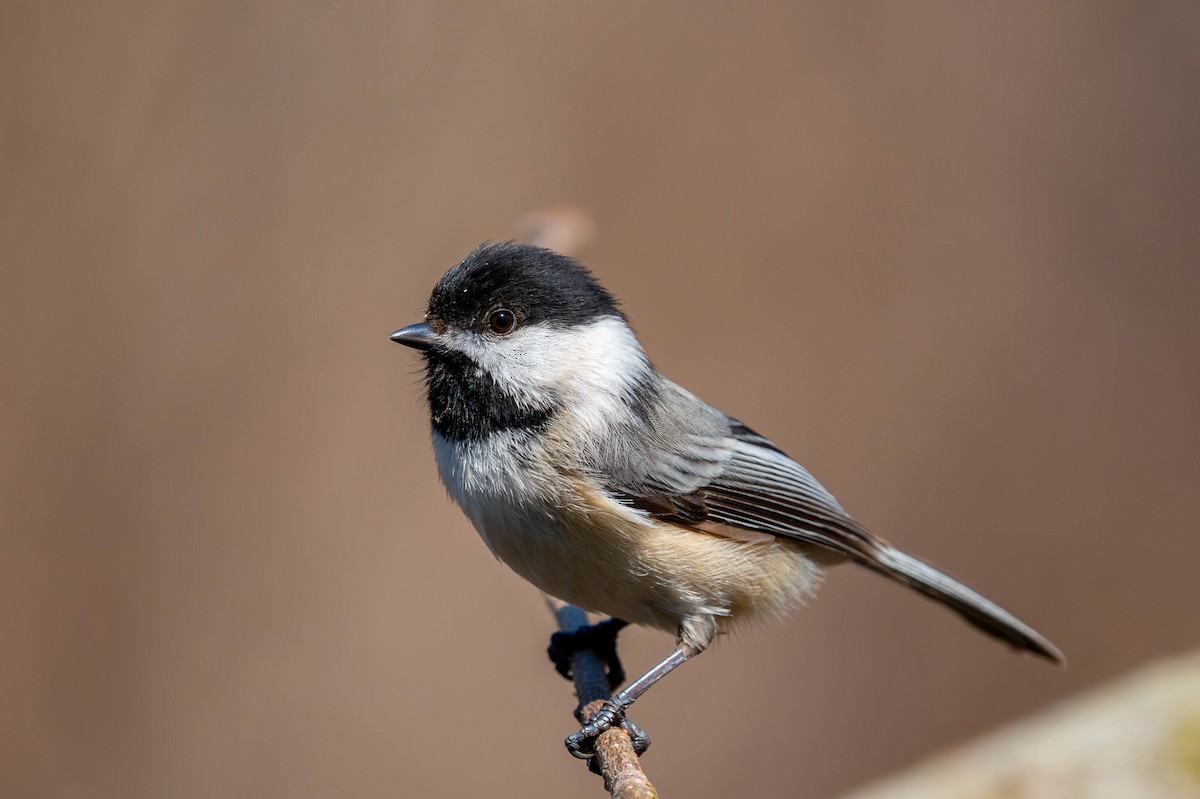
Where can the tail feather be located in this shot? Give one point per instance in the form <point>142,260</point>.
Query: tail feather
<point>971,605</point>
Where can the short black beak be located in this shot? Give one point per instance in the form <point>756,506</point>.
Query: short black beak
<point>419,336</point>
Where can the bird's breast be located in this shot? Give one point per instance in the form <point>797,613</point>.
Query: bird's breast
<point>494,477</point>
<point>574,542</point>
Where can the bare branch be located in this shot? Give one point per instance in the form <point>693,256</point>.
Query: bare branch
<point>615,759</point>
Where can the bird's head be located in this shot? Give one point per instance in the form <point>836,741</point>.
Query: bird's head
<point>513,334</point>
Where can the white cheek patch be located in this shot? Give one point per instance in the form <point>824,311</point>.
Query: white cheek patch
<point>606,366</point>
<point>523,364</point>
<point>593,367</point>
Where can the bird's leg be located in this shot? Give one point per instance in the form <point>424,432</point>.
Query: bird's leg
<point>600,638</point>
<point>581,744</point>
<point>694,637</point>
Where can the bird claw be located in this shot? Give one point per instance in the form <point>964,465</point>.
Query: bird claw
<point>582,744</point>
<point>637,737</point>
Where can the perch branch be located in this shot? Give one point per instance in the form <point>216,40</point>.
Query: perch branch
<point>615,759</point>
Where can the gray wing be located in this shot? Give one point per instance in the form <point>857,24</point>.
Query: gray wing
<point>698,468</point>
<point>735,477</point>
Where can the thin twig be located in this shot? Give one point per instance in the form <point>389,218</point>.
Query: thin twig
<point>615,759</point>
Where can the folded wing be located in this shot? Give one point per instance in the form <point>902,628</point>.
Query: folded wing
<point>732,481</point>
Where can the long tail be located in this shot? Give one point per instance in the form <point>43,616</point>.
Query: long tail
<point>971,605</point>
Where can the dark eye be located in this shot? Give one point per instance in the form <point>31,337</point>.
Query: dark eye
<point>502,321</point>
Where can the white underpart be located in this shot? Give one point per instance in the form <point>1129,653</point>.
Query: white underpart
<point>480,477</point>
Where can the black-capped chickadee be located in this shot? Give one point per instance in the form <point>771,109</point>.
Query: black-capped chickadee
<point>608,486</point>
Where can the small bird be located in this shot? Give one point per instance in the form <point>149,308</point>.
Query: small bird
<point>610,487</point>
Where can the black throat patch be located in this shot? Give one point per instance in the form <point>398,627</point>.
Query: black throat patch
<point>466,404</point>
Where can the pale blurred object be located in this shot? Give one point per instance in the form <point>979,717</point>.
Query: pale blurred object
<point>562,228</point>
<point>1138,738</point>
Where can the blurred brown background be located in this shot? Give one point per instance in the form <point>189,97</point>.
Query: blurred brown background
<point>946,255</point>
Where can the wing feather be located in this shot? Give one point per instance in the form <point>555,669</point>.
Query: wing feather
<point>758,489</point>
<point>728,480</point>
